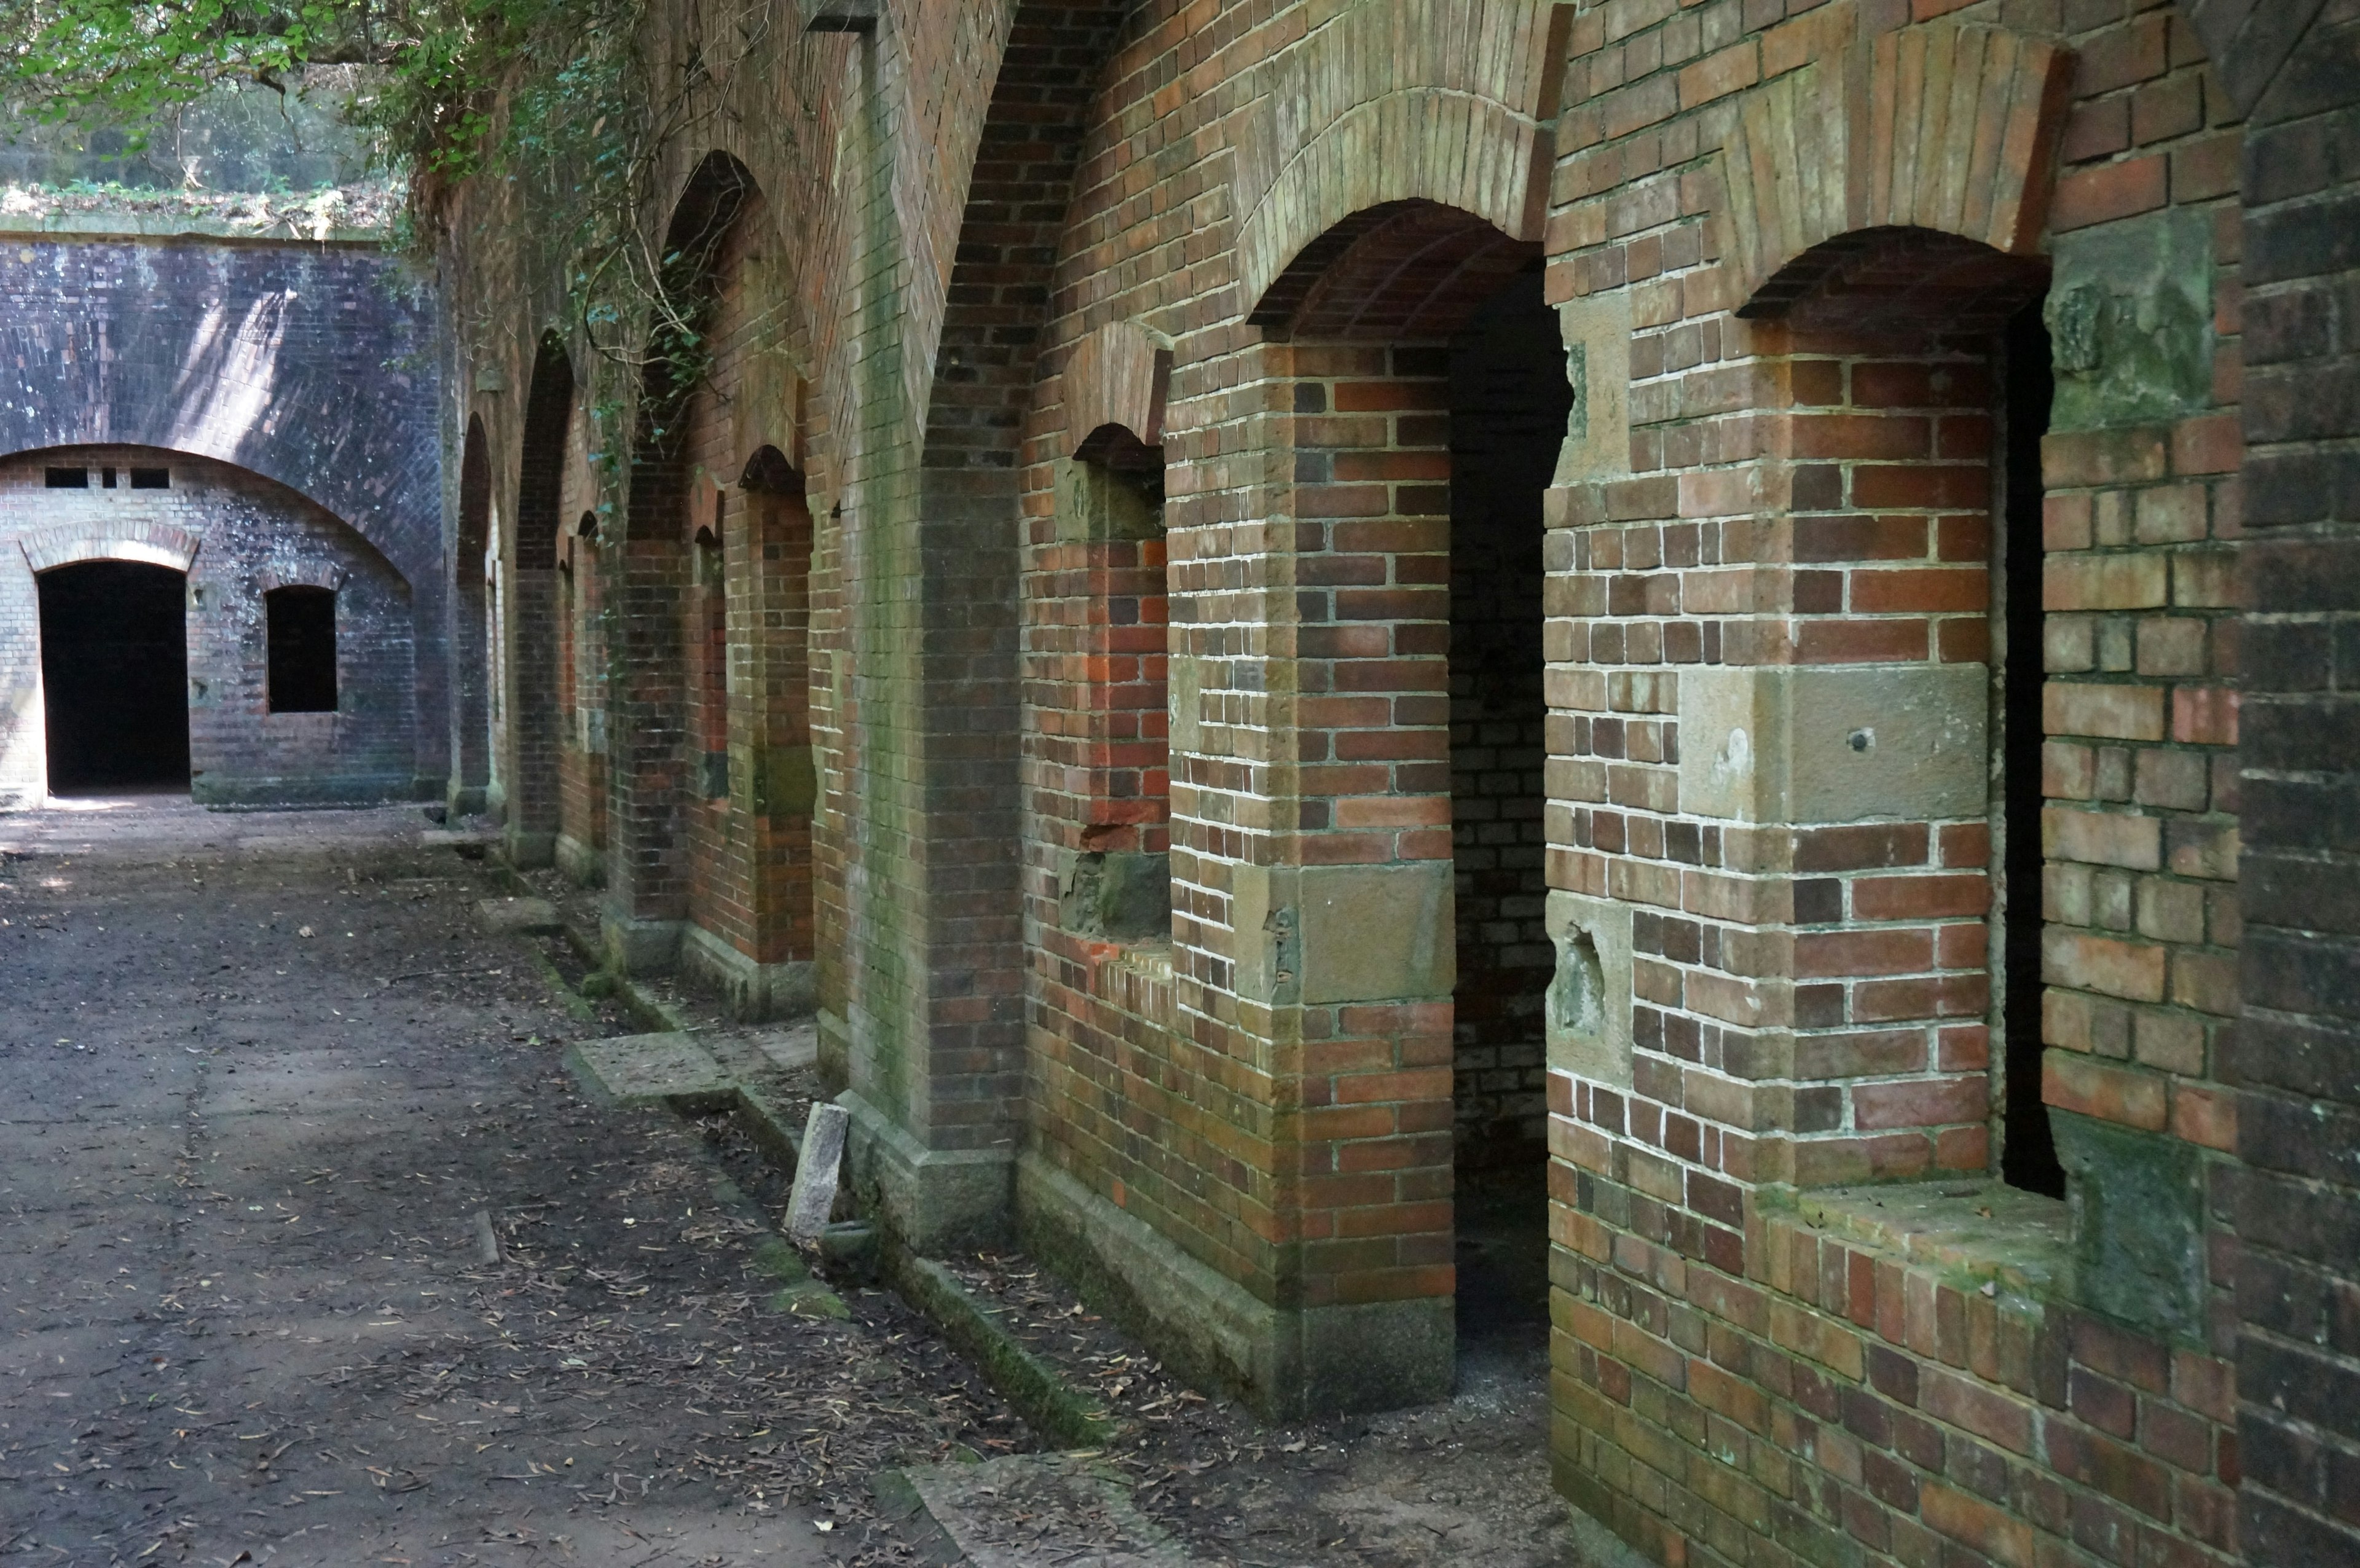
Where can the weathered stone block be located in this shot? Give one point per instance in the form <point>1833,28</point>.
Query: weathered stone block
<point>2130,321</point>
<point>1778,745</point>
<point>1589,1010</point>
<point>1117,895</point>
<point>2137,1201</point>
<point>1320,934</point>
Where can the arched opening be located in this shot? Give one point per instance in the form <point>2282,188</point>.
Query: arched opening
<point>582,714</point>
<point>471,629</point>
<point>774,697</point>
<point>532,622</point>
<point>114,677</point>
<point>1921,383</point>
<point>665,827</point>
<point>1109,744</point>
<point>1432,400</point>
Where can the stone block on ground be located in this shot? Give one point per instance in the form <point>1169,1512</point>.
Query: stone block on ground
<point>1035,1510</point>
<point>640,1068</point>
<point>816,1171</point>
<point>518,917</point>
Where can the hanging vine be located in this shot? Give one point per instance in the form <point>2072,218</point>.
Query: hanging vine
<point>577,102</point>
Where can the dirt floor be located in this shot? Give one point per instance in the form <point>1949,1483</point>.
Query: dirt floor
<point>264,1072</point>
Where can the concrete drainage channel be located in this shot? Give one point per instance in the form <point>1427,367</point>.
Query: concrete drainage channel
<point>937,1506</point>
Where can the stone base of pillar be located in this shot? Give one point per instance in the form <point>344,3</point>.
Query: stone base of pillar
<point>636,946</point>
<point>935,1201</point>
<point>583,864</point>
<point>756,992</point>
<point>1287,1365</point>
<point>526,850</point>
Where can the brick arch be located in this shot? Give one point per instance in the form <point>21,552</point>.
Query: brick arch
<point>149,544</point>
<point>1945,126</point>
<point>303,574</point>
<point>1116,377</point>
<point>960,1095</point>
<point>531,669</point>
<point>193,348</point>
<point>1405,269</point>
<point>651,747</point>
<point>471,627</point>
<point>1441,100</point>
<point>712,203</point>
<point>548,422</point>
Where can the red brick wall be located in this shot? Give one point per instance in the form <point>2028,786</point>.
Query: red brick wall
<point>1746,1366</point>
<point>1811,487</point>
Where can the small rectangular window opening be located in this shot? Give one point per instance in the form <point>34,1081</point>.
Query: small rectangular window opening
<point>106,479</point>
<point>302,636</point>
<point>68,478</point>
<point>151,479</point>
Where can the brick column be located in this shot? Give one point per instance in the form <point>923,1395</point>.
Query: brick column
<point>470,647</point>
<point>647,586</point>
<point>2297,1052</point>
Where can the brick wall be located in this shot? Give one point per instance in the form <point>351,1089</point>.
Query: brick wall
<point>2296,68</point>
<point>1805,531</point>
<point>237,536</point>
<point>1800,1315</point>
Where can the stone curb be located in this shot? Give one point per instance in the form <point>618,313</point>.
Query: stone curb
<point>948,1511</point>
<point>1049,1404</point>
<point>900,1504</point>
<point>1052,1406</point>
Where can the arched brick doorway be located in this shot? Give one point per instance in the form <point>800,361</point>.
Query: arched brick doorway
<point>1918,389</point>
<point>665,813</point>
<point>471,631</point>
<point>1430,401</point>
<point>532,732</point>
<point>115,676</point>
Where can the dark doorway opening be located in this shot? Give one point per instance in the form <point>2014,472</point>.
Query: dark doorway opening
<point>2028,1147</point>
<point>114,670</point>
<point>303,635</point>
<point>1509,401</point>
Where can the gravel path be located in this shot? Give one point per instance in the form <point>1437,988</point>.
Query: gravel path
<point>258,1073</point>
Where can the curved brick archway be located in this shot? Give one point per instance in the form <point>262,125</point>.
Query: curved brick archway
<point>1944,127</point>
<point>654,736</point>
<point>938,1108</point>
<point>235,536</point>
<point>1116,377</point>
<point>531,736</point>
<point>149,544</point>
<point>471,629</point>
<point>1396,100</point>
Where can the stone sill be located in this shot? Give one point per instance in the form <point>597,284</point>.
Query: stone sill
<point>1978,1227</point>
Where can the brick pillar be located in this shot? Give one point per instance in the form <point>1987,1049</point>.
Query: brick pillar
<point>1347,941</point>
<point>648,736</point>
<point>531,734</point>
<point>2297,1052</point>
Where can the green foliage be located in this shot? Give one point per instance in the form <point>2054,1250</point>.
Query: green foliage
<point>439,66</point>
<point>563,103</point>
